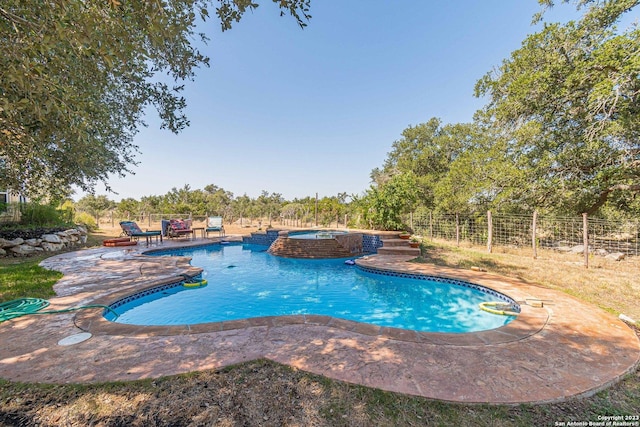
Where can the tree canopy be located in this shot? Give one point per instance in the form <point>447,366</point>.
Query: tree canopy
<point>560,131</point>
<point>76,77</point>
<point>568,105</point>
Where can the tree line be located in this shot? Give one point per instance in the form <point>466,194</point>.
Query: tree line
<point>560,132</point>
<point>215,201</point>
<point>367,210</point>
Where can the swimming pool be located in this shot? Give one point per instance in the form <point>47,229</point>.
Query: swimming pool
<point>244,281</point>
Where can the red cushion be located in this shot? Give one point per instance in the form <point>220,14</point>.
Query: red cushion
<point>178,224</point>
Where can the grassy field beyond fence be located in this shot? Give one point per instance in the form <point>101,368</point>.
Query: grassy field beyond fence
<point>531,231</point>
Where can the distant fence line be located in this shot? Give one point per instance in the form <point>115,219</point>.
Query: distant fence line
<point>510,230</point>
<point>537,232</point>
<point>149,219</point>
<point>153,219</point>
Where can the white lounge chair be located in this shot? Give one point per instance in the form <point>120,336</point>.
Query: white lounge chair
<point>214,223</point>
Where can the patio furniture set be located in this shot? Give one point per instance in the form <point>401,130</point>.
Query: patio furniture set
<point>172,228</point>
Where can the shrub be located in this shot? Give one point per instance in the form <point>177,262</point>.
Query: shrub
<point>86,220</point>
<point>36,215</point>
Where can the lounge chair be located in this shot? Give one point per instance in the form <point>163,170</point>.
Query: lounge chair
<point>131,229</point>
<point>214,223</point>
<point>179,228</point>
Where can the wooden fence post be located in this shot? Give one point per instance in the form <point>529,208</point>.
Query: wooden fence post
<point>585,239</point>
<point>489,232</point>
<point>534,226</point>
<point>457,230</point>
<point>430,226</point>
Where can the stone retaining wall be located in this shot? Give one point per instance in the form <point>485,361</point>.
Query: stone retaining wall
<point>50,242</point>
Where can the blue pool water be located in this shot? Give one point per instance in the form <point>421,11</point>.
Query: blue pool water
<point>244,281</point>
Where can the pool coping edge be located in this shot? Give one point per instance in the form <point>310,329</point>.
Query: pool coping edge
<point>529,322</point>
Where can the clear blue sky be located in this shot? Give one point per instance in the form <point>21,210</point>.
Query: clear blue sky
<point>296,112</point>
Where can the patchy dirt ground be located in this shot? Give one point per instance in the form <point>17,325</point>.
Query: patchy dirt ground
<point>262,393</point>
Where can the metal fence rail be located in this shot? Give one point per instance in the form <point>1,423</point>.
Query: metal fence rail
<point>509,230</point>
<point>538,232</point>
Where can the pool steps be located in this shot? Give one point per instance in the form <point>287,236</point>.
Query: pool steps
<point>397,247</point>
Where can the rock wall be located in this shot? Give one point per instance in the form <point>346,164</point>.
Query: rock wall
<point>48,242</point>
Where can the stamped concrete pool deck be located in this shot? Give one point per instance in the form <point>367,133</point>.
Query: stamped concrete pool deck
<point>565,348</point>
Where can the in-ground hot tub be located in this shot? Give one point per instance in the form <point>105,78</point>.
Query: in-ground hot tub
<point>316,234</point>
<point>317,244</point>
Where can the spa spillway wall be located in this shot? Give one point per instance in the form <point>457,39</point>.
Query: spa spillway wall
<point>339,246</point>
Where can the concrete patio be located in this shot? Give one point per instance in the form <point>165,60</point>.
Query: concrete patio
<point>566,348</point>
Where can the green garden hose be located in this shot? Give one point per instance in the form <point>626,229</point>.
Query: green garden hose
<point>24,306</point>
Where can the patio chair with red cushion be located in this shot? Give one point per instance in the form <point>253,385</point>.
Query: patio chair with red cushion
<point>179,228</point>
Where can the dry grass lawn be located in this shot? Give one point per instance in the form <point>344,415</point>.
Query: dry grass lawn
<point>611,285</point>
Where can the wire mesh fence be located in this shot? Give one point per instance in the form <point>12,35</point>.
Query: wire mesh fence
<point>149,220</point>
<point>537,232</point>
<point>509,230</point>
<point>154,221</point>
